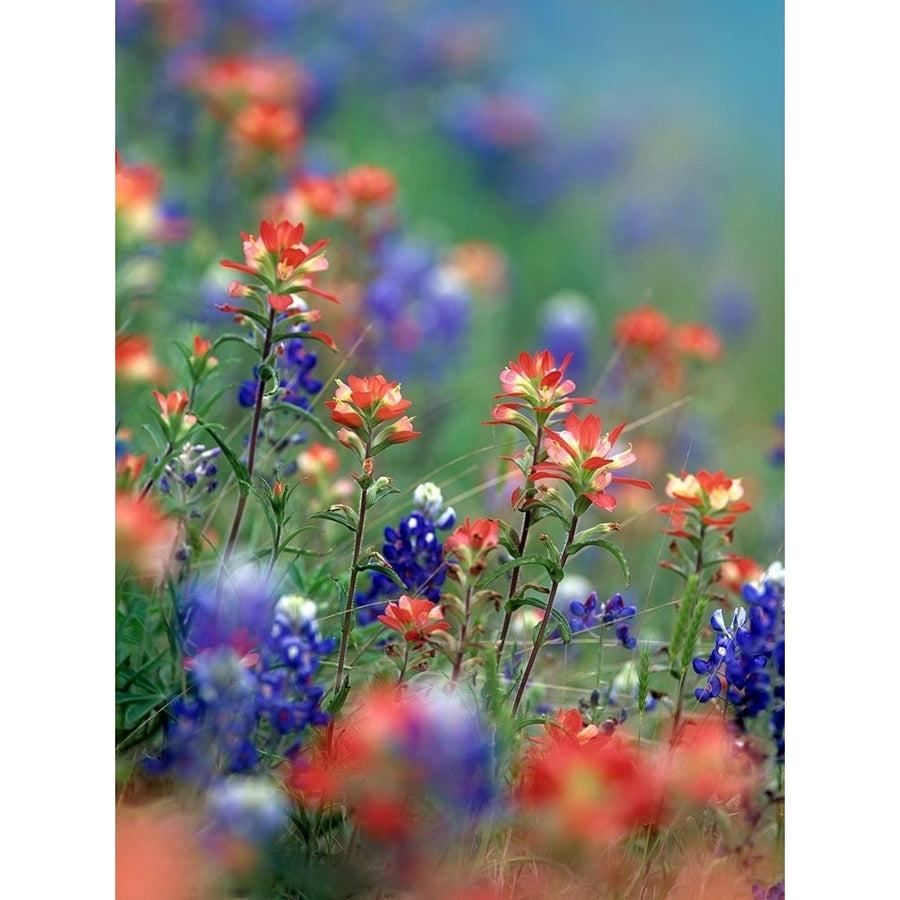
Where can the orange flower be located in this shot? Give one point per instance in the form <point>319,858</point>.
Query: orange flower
<point>144,535</point>
<point>711,495</point>
<point>539,382</point>
<point>414,618</point>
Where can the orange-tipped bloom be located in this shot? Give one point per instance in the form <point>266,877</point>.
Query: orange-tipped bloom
<point>144,535</point>
<point>712,496</point>
<point>645,328</point>
<point>471,543</point>
<point>135,360</point>
<point>414,618</point>
<point>581,455</point>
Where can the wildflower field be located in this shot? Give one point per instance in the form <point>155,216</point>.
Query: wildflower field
<point>449,475</point>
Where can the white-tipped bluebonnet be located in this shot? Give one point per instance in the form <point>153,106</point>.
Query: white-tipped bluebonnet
<point>250,808</point>
<point>414,553</point>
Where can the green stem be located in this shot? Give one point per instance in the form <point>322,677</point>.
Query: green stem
<point>351,588</point>
<point>457,663</point>
<point>546,619</point>
<point>254,436</point>
<point>520,550</point>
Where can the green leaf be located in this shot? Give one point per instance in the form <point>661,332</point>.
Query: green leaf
<point>340,697</point>
<point>240,470</point>
<point>340,513</point>
<point>612,548</point>
<point>555,571</point>
<point>381,565</point>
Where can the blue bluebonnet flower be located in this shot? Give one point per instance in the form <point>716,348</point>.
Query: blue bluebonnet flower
<point>191,473</point>
<point>415,301</point>
<point>746,665</point>
<point>733,311</point>
<point>251,692</point>
<point>589,613</point>
<point>414,553</point>
<point>773,892</point>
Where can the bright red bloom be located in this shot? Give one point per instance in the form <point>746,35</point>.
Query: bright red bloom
<point>712,496</point>
<point>172,404</point>
<point>471,543</point>
<point>581,455</point>
<point>144,535</point>
<point>369,185</point>
<point>414,618</point>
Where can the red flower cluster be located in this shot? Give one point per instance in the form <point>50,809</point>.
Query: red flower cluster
<point>363,406</point>
<point>657,350</point>
<point>471,543</point>
<point>710,497</point>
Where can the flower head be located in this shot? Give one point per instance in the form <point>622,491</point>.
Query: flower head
<point>471,543</point>
<point>581,455</point>
<point>414,618</point>
<point>539,383</point>
<point>711,496</point>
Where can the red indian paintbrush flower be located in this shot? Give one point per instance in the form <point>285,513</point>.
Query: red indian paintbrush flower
<point>471,542</point>
<point>581,455</point>
<point>280,260</point>
<point>711,496</point>
<point>414,618</point>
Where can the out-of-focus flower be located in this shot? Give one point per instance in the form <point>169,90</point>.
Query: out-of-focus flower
<point>644,328</point>
<point>411,764</point>
<point>414,618</point>
<point>369,185</point>
<point>135,360</point>
<point>273,127</point>
<point>145,536</point>
<point>581,455</point>
<point>159,854</point>
<point>250,809</point>
<point>472,542</point>
<point>141,214</point>
<point>483,267</point>
<point>735,571</point>
<point>567,324</point>
<point>229,83</point>
<point>697,341</point>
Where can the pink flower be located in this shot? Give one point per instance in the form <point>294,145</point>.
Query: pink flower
<point>414,618</point>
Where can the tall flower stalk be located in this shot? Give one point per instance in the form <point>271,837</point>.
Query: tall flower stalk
<point>281,269</point>
<point>370,411</point>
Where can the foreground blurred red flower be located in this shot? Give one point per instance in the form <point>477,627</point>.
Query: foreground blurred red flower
<point>414,618</point>
<point>158,856</point>
<point>144,535</point>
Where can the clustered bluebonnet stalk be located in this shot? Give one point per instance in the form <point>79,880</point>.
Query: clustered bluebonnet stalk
<point>250,682</point>
<point>296,387</point>
<point>746,665</point>
<point>413,552</point>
